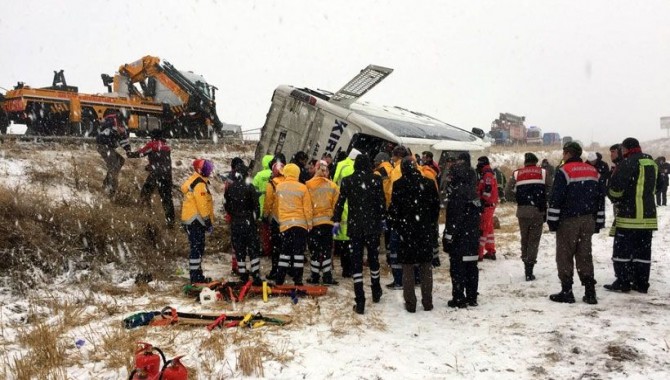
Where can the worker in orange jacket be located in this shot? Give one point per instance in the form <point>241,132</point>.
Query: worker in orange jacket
<point>294,212</point>
<point>271,213</point>
<point>324,194</point>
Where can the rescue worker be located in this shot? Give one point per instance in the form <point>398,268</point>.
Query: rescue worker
<point>271,214</point>
<point>113,133</point>
<point>572,214</point>
<point>260,182</point>
<point>294,211</point>
<point>631,189</point>
<point>399,153</point>
<point>414,209</point>
<point>501,179</point>
<point>363,192</point>
<point>551,172</point>
<point>160,173</point>
<point>197,215</point>
<point>487,189</point>
<point>324,194</point>
<point>528,185</point>
<point>595,159</point>
<point>429,169</point>
<point>300,159</point>
<point>662,181</point>
<point>241,203</point>
<point>616,157</point>
<point>461,232</point>
<point>342,243</point>
<point>383,169</point>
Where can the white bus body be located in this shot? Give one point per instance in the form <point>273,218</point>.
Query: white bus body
<point>316,123</point>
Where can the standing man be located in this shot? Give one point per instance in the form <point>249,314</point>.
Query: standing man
<point>573,209</point>
<point>461,232</point>
<point>294,208</point>
<point>260,182</point>
<point>399,153</point>
<point>113,133</point>
<point>160,173</point>
<point>241,203</point>
<point>324,194</point>
<point>662,181</point>
<point>271,213</point>
<point>414,211</point>
<point>529,186</point>
<point>363,192</point>
<point>197,215</point>
<point>632,190</point>
<point>616,157</point>
<point>341,241</point>
<point>487,188</point>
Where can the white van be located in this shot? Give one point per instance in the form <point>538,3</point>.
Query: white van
<point>319,122</point>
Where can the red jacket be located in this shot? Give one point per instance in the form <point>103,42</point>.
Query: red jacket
<point>487,188</point>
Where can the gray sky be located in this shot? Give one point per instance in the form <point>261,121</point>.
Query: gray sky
<point>595,70</point>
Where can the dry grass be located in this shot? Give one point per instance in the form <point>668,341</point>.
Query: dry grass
<point>46,353</point>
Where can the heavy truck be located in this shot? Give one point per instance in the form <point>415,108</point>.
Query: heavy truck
<point>320,122</point>
<point>509,129</point>
<point>147,93</point>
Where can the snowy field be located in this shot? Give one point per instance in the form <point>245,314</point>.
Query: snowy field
<point>514,333</point>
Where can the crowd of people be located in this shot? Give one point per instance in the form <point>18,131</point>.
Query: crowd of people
<point>350,205</point>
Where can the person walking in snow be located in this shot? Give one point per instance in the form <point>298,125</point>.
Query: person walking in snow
<point>294,212</point>
<point>363,193</point>
<point>241,204</point>
<point>487,188</point>
<point>324,194</point>
<point>631,189</point>
<point>460,238</point>
<point>529,185</point>
<point>157,151</point>
<point>197,215</point>
<point>414,210</point>
<point>573,213</point>
<point>113,133</point>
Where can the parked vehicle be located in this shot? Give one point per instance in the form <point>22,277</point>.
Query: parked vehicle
<point>534,136</point>
<point>551,138</point>
<point>513,125</point>
<point>566,140</point>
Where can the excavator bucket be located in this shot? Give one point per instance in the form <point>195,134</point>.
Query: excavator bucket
<point>368,78</point>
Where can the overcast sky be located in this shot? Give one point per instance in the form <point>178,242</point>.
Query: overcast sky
<point>595,70</point>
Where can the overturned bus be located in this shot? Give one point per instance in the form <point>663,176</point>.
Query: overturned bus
<point>319,122</point>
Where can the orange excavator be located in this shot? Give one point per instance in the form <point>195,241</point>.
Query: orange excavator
<point>148,93</point>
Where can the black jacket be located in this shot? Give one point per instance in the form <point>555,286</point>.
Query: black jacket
<point>365,196</point>
<point>463,209</point>
<point>413,213</point>
<point>241,202</point>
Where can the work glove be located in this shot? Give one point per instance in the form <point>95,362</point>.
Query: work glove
<point>447,242</point>
<point>336,228</point>
<point>209,228</point>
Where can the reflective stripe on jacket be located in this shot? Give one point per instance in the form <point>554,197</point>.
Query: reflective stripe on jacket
<point>632,189</point>
<point>270,205</point>
<point>198,203</point>
<point>294,205</point>
<point>324,194</point>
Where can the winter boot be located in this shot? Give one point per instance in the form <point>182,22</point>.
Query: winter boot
<point>618,286</point>
<point>359,307</point>
<point>565,295</point>
<point>459,303</point>
<point>590,294</point>
<point>314,280</point>
<point>529,271</point>
<point>490,256</point>
<point>328,279</point>
<point>376,294</point>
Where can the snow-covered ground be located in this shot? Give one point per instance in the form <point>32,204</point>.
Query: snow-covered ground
<point>514,333</point>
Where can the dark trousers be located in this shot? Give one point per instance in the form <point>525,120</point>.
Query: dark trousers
<point>463,269</point>
<point>531,232</point>
<point>275,241</point>
<point>358,244</point>
<point>244,238</point>
<point>632,256</point>
<point>292,258</point>
<point>342,248</point>
<point>196,240</point>
<point>162,182</point>
<point>114,162</point>
<point>320,245</point>
<point>396,267</point>
<point>408,283</point>
<point>661,197</point>
<point>573,248</point>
